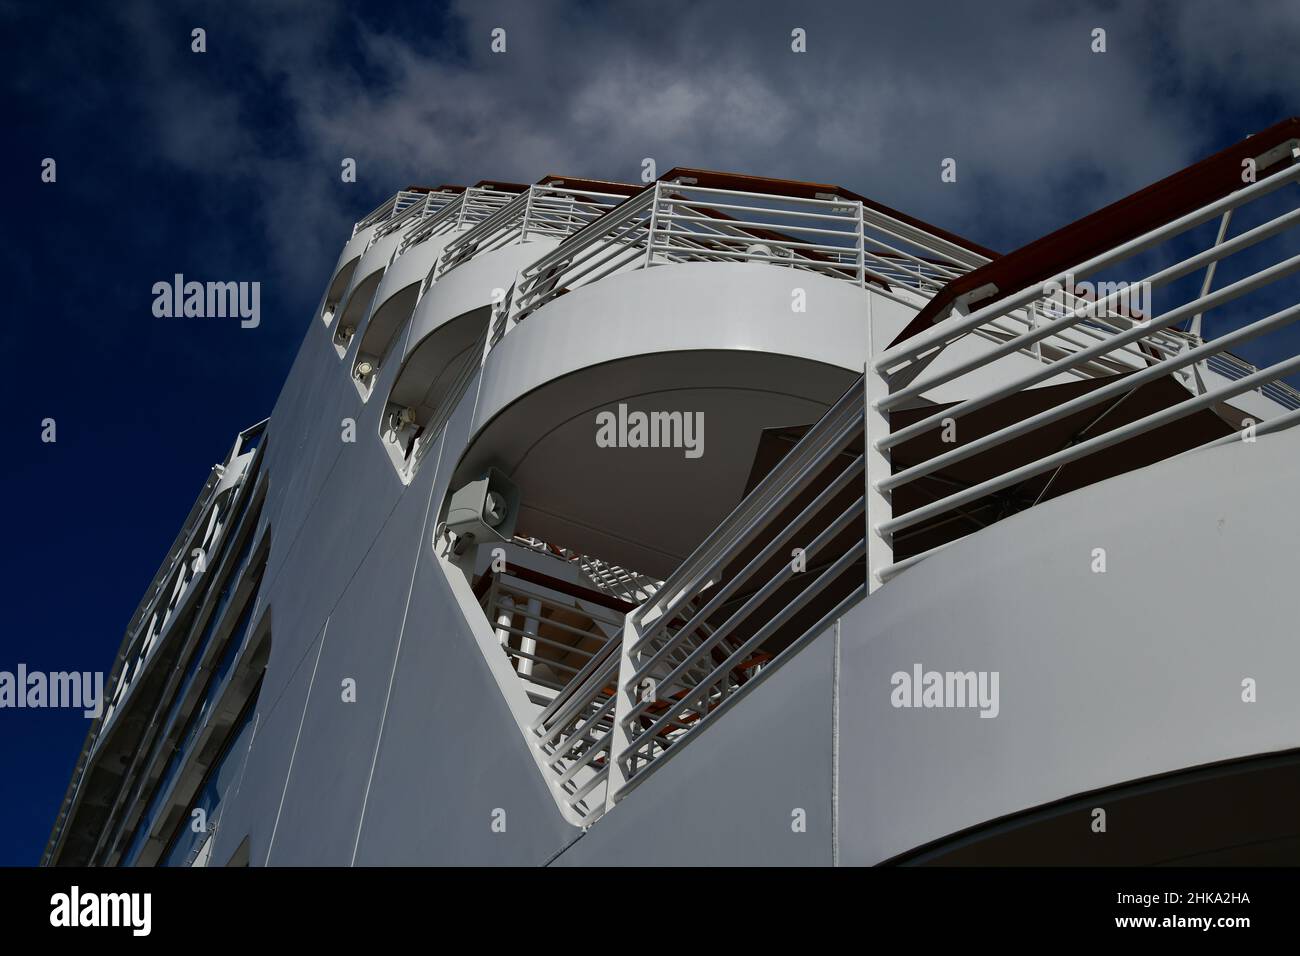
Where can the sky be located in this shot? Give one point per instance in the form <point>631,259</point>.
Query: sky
<point>225,165</point>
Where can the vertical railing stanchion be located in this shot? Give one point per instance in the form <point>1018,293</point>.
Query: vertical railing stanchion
<point>654,221</point>
<point>624,701</point>
<point>862,246</point>
<point>875,424</point>
<point>528,213</point>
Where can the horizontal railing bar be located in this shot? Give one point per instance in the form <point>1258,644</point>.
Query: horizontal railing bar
<point>1266,427</point>
<point>741,692</point>
<point>550,642</point>
<point>796,605</point>
<point>1126,383</point>
<point>630,211</point>
<point>822,499</point>
<point>515,652</point>
<point>807,265</point>
<point>620,256</point>
<point>790,243</point>
<point>898,567</point>
<point>790,476</point>
<point>683,191</point>
<point>1156,280</point>
<point>580,794</point>
<point>518,587</point>
<point>599,746</point>
<point>1203,304</point>
<point>1067,455</point>
<point>945,331</point>
<point>584,727</point>
<point>849,223</point>
<point>591,677</point>
<point>742,613</point>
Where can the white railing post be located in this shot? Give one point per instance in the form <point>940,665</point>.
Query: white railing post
<point>878,504</point>
<point>654,222</point>
<point>624,701</point>
<point>528,214</point>
<point>862,246</point>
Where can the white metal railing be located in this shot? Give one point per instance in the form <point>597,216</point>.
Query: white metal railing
<point>1102,346</point>
<point>404,216</point>
<point>394,205</point>
<point>560,642</point>
<point>468,209</point>
<point>554,211</point>
<point>574,734</point>
<point>548,634</point>
<point>1230,366</point>
<point>676,222</point>
<point>615,580</point>
<point>740,604</point>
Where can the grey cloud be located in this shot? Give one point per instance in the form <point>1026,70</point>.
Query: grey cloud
<point>1043,129</point>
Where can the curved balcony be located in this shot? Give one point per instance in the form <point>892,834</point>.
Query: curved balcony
<point>365,282</point>
<point>393,303</point>
<point>718,343</point>
<point>341,278</point>
<point>474,270</point>
<point>447,327</point>
<point>418,237</point>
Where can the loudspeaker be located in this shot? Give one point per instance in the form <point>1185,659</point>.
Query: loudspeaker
<point>484,510</point>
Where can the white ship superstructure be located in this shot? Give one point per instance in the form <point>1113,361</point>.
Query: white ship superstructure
<point>724,519</point>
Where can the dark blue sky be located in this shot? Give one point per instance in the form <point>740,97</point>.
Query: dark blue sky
<point>225,166</point>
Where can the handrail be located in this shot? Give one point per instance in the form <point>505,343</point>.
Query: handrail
<point>541,210</point>
<point>1165,201</point>
<point>395,204</point>
<point>739,605</point>
<point>430,205</point>
<point>683,221</point>
<point>469,208</point>
<point>1003,477</point>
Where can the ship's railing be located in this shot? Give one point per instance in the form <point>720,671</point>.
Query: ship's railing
<point>243,454</point>
<point>394,205</point>
<point>897,378</point>
<point>406,215</point>
<point>468,209</point>
<point>544,626</point>
<point>679,222</point>
<point>574,734</point>
<point>784,564</point>
<point>554,211</point>
<point>613,579</point>
<point>1235,368</point>
<point>775,573</point>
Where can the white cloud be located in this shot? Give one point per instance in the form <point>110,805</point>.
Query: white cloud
<point>1043,129</point>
